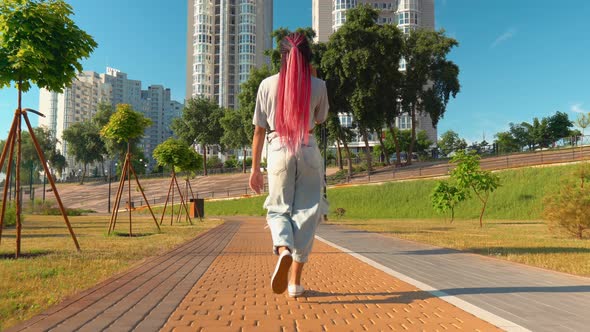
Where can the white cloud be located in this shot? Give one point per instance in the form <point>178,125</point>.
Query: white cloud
<point>504,37</point>
<point>577,108</point>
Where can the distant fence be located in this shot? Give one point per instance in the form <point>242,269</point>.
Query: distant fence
<point>385,174</point>
<point>489,163</point>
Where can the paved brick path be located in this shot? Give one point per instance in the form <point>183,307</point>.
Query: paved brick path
<point>347,295</point>
<point>220,282</point>
<point>141,298</point>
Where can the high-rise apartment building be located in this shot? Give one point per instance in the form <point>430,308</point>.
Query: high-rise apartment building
<point>329,15</point>
<point>125,91</point>
<point>77,103</point>
<point>157,105</point>
<point>225,40</point>
<point>408,15</point>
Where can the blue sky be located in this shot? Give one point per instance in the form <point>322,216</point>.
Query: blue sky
<point>518,58</point>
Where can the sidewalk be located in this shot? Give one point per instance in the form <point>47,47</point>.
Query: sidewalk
<point>220,281</point>
<point>513,296</point>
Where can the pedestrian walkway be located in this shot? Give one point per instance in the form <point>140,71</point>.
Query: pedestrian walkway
<point>513,296</point>
<point>220,282</point>
<point>346,295</point>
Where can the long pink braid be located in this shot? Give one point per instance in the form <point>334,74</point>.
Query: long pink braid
<point>294,93</point>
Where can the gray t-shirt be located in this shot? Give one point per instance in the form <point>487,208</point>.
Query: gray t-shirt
<point>264,114</point>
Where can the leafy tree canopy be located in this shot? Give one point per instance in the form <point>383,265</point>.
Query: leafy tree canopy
<point>175,153</point>
<point>247,98</point>
<point>126,124</point>
<point>41,44</point>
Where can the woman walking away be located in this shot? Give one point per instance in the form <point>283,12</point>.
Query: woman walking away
<point>288,106</point>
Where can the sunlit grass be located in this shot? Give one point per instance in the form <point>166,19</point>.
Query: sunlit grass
<point>527,242</point>
<point>52,269</point>
<point>513,228</point>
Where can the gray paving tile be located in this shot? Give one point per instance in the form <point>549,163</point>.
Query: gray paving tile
<point>537,299</point>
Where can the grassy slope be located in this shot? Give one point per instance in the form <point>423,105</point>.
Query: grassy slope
<point>512,226</point>
<point>519,198</point>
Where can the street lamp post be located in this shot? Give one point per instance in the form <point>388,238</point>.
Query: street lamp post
<point>110,173</point>
<point>44,181</point>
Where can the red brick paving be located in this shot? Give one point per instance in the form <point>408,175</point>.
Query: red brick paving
<point>345,295</point>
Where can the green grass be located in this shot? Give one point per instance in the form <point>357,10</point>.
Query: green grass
<point>519,198</point>
<point>513,229</point>
<point>526,242</point>
<point>51,268</point>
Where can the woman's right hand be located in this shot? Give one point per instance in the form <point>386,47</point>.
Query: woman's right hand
<point>256,181</point>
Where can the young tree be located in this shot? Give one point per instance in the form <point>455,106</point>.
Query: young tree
<point>124,126</point>
<point>199,123</point>
<point>469,176</point>
<point>429,79</point>
<point>446,196</point>
<point>85,144</point>
<point>39,44</point>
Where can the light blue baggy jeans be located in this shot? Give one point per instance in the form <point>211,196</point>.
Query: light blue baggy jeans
<point>296,202</point>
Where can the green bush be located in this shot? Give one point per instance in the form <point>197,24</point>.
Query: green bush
<point>569,211</point>
<point>54,211</point>
<point>10,215</point>
<point>214,162</point>
<point>231,162</point>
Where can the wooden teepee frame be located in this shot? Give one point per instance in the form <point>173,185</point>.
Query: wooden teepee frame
<point>174,183</point>
<point>126,172</point>
<point>14,138</point>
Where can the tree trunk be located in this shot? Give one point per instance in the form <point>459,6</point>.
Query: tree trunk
<point>204,159</point>
<point>380,133</point>
<point>452,214</point>
<point>413,139</point>
<point>339,155</point>
<point>83,174</point>
<point>348,158</point>
<point>367,151</point>
<point>483,210</point>
<point>396,143</point>
<point>244,160</point>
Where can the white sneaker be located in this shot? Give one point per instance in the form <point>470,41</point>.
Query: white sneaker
<point>296,290</point>
<point>280,278</point>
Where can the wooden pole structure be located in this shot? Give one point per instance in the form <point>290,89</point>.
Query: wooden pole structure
<point>117,201</point>
<point>171,190</point>
<point>14,142</point>
<point>166,204</point>
<point>126,172</point>
<point>182,200</point>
